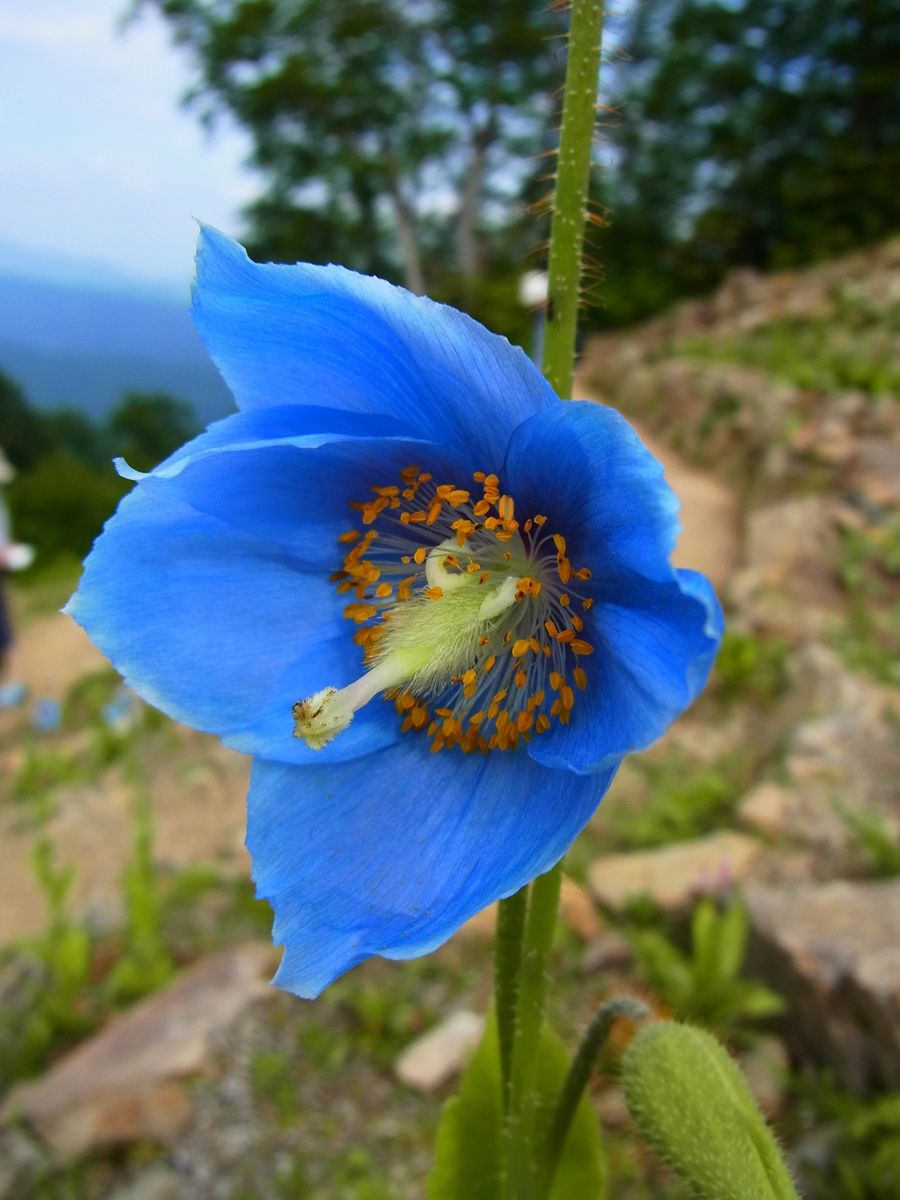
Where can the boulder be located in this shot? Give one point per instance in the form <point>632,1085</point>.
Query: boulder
<point>789,582</point>
<point>674,876</point>
<point>123,1084</point>
<point>830,949</point>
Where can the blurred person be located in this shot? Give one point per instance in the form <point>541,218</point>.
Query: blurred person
<point>14,556</point>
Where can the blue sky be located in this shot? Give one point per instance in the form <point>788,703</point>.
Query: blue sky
<point>97,161</point>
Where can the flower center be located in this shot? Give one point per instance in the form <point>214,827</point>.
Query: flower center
<point>467,618</point>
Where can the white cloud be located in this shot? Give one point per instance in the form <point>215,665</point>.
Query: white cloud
<point>97,159</point>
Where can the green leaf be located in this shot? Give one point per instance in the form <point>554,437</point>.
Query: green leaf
<point>692,1104</point>
<point>469,1153</point>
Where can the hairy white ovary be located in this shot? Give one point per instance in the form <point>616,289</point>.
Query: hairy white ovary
<point>426,643</point>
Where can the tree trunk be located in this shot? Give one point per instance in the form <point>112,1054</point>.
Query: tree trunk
<point>413,275</point>
<point>467,246</point>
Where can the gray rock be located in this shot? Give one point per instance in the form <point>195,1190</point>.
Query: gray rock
<point>155,1183</point>
<point>788,582</point>
<point>122,1084</point>
<point>765,808</point>
<point>674,876</point>
<point>765,1068</point>
<point>609,952</point>
<point>436,1056</point>
<point>22,1164</point>
<point>830,950</point>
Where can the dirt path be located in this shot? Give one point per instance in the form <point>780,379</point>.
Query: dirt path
<point>197,790</point>
<point>710,538</point>
<point>51,653</point>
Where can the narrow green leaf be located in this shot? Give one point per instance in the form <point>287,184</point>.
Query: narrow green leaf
<point>470,1155</point>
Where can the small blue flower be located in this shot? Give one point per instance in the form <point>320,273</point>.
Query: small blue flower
<point>432,600</point>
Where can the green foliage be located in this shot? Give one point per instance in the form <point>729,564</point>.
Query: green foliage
<point>272,1074</point>
<point>880,849</point>
<point>66,487</point>
<point>470,1141</point>
<point>820,354</point>
<point>60,504</point>
<point>146,427</point>
<point>868,638</point>
<point>683,802</point>
<point>51,1010</point>
<point>691,1103</point>
<point>44,769</point>
<point>381,1022</point>
<point>146,964</point>
<point>24,437</point>
<point>749,667</point>
<point>706,985</point>
<point>753,132</point>
<point>858,1152</point>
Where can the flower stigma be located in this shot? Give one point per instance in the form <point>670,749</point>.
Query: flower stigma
<point>467,618</point>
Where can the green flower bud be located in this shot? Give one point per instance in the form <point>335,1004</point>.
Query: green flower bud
<point>692,1104</point>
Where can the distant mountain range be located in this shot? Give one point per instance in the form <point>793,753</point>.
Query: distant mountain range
<point>71,344</point>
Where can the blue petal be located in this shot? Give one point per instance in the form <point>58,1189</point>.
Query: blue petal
<point>261,485</point>
<point>209,588</point>
<point>584,467</point>
<point>325,335</point>
<point>274,426</point>
<point>391,854</point>
<point>654,645</point>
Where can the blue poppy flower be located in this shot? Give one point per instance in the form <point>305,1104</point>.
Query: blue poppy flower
<point>431,599</point>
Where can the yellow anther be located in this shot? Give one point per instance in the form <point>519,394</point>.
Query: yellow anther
<point>580,646</point>
<point>360,612</point>
<point>580,677</point>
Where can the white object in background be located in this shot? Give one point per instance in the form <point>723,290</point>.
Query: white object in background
<point>533,289</point>
<point>16,556</point>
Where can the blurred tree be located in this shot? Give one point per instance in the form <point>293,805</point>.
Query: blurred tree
<point>145,427</point>
<point>60,504</point>
<point>70,430</point>
<point>759,132</point>
<point>23,436</point>
<point>395,136</point>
